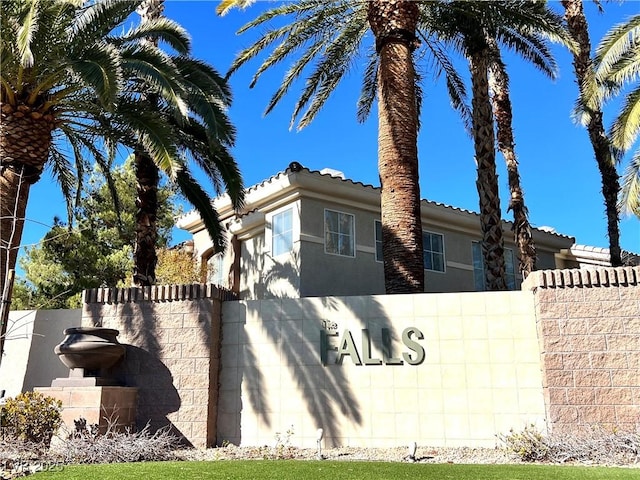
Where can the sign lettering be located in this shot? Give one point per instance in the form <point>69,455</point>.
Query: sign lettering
<point>414,353</point>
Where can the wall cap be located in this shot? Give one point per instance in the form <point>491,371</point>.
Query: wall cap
<point>583,277</point>
<point>157,293</point>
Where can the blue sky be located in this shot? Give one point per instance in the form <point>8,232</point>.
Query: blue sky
<point>559,173</point>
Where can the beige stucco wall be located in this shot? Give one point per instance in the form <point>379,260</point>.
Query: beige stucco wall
<point>310,272</point>
<point>480,377</point>
<point>28,360</point>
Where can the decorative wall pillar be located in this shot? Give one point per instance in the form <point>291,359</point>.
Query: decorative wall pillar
<point>172,334</point>
<point>589,330</point>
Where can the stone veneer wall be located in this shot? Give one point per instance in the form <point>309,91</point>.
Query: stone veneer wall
<point>589,329</point>
<point>172,334</point>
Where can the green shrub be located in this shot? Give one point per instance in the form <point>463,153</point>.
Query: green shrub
<point>31,416</point>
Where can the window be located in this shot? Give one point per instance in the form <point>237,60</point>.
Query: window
<point>433,250</point>
<point>339,233</point>
<point>478,268</point>
<point>282,232</point>
<point>378,240</point>
<point>215,270</point>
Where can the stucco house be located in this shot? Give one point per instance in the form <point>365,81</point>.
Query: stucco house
<point>308,233</point>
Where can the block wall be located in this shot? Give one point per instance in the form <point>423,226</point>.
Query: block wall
<point>480,375</point>
<point>589,328</point>
<point>172,335</point>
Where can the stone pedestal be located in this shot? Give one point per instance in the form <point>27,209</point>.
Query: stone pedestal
<point>99,405</point>
<point>77,378</point>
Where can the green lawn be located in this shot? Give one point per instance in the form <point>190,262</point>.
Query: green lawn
<point>331,470</point>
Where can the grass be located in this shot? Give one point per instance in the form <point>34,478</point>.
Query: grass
<point>331,470</point>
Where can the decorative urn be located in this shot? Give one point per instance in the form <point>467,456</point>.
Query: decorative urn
<point>90,348</point>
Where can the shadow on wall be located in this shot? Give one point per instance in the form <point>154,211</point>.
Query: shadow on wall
<point>265,277</point>
<point>28,359</point>
<point>142,368</point>
<point>329,397</point>
<point>157,395</point>
<point>327,393</point>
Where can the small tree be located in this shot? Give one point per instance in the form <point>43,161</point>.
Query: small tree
<point>177,266</point>
<point>97,251</point>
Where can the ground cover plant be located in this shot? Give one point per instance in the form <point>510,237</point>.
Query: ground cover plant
<point>330,470</point>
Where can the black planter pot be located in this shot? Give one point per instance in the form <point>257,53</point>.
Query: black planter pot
<point>90,348</point>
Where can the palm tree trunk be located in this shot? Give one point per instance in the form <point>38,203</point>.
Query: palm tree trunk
<point>145,257</point>
<point>25,138</point>
<point>487,181</point>
<point>394,25</point>
<point>499,84</point>
<point>577,24</point>
<point>144,253</point>
<point>15,193</point>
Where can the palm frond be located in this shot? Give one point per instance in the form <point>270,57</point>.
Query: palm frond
<point>225,6</point>
<point>152,71</point>
<point>214,159</point>
<point>96,20</point>
<point>626,126</point>
<point>160,29</point>
<point>369,88</point>
<point>300,30</point>
<point>455,83</point>
<point>67,180</point>
<point>100,67</point>
<point>617,66</point>
<point>207,78</point>
<point>336,61</point>
<point>533,49</point>
<point>280,11</point>
<point>293,74</point>
<point>616,44</point>
<point>208,97</point>
<point>194,193</point>
<point>629,202</point>
<point>250,52</point>
<point>317,27</point>
<point>154,135</point>
<point>28,28</point>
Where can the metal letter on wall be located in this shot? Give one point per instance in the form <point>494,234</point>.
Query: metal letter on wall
<point>348,347</point>
<point>387,349</point>
<point>413,346</point>
<point>325,346</point>
<point>366,349</point>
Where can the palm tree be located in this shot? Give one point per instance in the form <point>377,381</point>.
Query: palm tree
<point>145,256</point>
<point>59,69</point>
<point>500,98</point>
<point>331,34</point>
<point>592,119</point>
<point>474,29</point>
<point>182,109</point>
<point>394,25</point>
<point>477,46</point>
<point>63,88</point>
<point>617,65</point>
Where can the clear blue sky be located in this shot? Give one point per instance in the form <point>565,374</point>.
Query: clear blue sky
<point>559,173</point>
